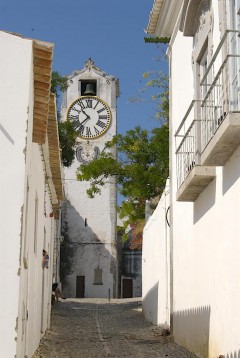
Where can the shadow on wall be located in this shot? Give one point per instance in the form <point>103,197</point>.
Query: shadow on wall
<point>191,329</point>
<point>204,202</point>
<point>150,305</point>
<point>79,241</point>
<point>231,172</point>
<point>236,354</point>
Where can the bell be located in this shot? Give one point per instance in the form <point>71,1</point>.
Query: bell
<point>89,89</point>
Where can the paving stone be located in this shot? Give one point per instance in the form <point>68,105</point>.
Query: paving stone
<point>92,328</point>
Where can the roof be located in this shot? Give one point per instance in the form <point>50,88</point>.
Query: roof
<point>42,71</point>
<point>45,128</point>
<point>89,65</point>
<point>163,17</point>
<point>45,117</point>
<point>53,144</point>
<point>153,17</point>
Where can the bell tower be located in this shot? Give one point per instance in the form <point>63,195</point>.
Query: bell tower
<point>89,249</point>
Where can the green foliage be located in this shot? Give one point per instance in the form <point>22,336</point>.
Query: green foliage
<point>162,40</point>
<point>66,132</point>
<point>67,137</point>
<point>141,166</point>
<point>58,83</point>
<point>141,169</point>
<point>159,81</point>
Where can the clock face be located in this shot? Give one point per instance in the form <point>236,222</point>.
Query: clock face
<point>90,116</point>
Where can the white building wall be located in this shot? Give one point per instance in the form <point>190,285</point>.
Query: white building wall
<point>36,283</point>
<point>89,225</point>
<point>14,97</point>
<point>24,316</point>
<point>205,234</point>
<point>156,264</point>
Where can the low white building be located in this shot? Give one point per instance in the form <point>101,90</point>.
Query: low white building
<point>204,64</point>
<point>31,188</point>
<point>156,264</point>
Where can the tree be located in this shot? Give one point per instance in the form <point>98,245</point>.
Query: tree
<point>141,169</point>
<point>66,132</point>
<point>157,80</point>
<point>142,164</point>
<point>58,83</point>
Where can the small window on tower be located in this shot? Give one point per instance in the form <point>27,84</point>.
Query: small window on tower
<point>88,87</point>
<point>97,276</point>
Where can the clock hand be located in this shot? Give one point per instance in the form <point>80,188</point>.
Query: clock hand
<point>84,113</point>
<point>85,120</point>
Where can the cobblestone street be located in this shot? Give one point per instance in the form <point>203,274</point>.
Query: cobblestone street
<point>96,328</point>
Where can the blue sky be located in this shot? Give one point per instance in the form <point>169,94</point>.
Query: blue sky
<point>111,32</point>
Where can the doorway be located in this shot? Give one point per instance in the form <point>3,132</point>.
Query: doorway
<point>127,288</point>
<point>80,286</point>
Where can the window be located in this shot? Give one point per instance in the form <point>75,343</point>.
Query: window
<point>88,87</point>
<point>98,276</point>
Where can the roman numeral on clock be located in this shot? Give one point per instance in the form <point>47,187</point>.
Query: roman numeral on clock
<point>101,110</point>
<point>81,104</point>
<point>71,117</point>
<point>88,103</point>
<point>96,131</point>
<point>96,105</point>
<point>76,110</point>
<point>78,127</point>
<point>88,131</point>
<point>81,128</point>
<point>103,116</point>
<point>100,124</point>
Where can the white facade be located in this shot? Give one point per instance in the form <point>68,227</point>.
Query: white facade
<point>204,172</point>
<point>88,253</point>
<point>27,196</point>
<point>156,264</point>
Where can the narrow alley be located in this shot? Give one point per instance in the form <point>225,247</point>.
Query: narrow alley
<point>96,328</point>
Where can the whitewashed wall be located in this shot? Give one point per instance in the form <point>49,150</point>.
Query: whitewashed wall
<point>205,234</point>
<point>15,72</point>
<point>25,317</point>
<point>89,225</point>
<point>156,264</point>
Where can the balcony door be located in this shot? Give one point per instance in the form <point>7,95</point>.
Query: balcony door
<point>233,20</point>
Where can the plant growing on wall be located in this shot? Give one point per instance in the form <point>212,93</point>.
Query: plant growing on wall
<point>66,132</point>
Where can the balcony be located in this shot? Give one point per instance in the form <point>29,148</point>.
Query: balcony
<point>224,142</point>
<point>210,130</point>
<point>192,178</point>
<point>220,109</point>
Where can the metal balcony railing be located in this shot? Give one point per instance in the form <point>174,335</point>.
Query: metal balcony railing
<point>187,153</point>
<point>220,96</point>
<point>220,90</point>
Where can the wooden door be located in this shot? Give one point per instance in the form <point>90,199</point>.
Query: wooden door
<point>127,288</point>
<point>80,286</point>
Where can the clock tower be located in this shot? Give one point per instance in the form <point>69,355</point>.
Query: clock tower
<point>89,248</point>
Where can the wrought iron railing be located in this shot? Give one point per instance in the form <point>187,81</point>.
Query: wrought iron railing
<point>220,90</point>
<point>187,153</point>
<point>220,95</point>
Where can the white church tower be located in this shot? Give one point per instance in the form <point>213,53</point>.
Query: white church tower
<point>88,251</point>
